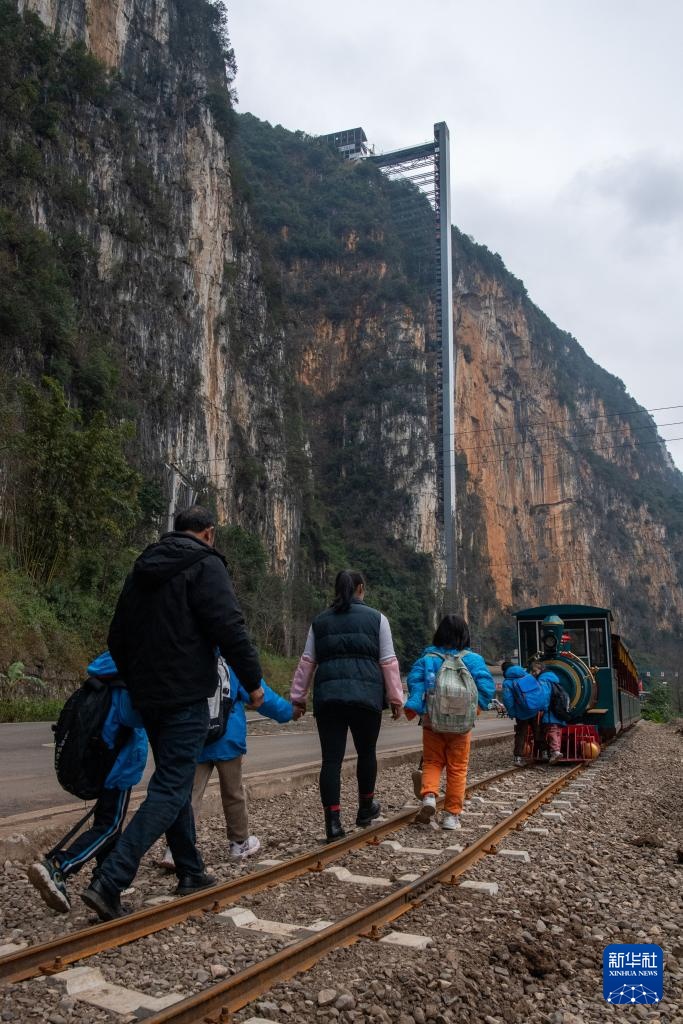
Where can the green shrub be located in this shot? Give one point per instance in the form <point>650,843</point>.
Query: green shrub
<point>657,707</point>
<point>30,709</point>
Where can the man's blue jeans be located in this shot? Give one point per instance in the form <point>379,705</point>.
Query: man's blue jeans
<point>176,736</point>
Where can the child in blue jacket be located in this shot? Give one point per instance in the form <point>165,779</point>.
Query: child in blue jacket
<point>552,725</point>
<point>514,674</point>
<point>226,755</point>
<point>445,750</point>
<point>49,874</point>
<point>546,727</point>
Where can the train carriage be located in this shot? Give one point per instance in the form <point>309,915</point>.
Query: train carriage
<point>595,668</point>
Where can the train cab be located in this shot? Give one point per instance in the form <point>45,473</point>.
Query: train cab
<point>594,667</point>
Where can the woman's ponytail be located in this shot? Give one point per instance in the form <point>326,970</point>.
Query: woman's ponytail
<point>344,589</point>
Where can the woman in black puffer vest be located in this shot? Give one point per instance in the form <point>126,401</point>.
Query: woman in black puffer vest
<point>350,651</point>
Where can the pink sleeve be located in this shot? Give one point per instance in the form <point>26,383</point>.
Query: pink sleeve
<point>302,679</point>
<point>393,686</point>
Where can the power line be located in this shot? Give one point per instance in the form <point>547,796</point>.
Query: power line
<point>568,437</point>
<point>565,420</point>
<point>531,423</point>
<point>548,480</point>
<point>625,446</point>
<point>503,447</point>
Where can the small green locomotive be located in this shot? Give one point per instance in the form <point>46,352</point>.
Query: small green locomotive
<point>595,668</point>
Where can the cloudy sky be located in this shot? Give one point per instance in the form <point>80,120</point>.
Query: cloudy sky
<point>566,120</point>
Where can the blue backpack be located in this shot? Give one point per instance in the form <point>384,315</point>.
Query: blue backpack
<point>530,696</point>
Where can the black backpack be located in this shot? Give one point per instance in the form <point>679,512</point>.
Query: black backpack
<point>559,702</point>
<point>82,758</point>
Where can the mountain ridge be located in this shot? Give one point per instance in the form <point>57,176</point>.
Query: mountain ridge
<point>262,312</point>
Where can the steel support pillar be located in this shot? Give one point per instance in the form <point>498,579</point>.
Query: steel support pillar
<point>415,164</point>
<point>442,179</point>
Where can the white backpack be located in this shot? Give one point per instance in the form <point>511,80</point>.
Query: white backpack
<point>452,704</point>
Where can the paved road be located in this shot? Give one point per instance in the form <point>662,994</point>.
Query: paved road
<point>29,784</point>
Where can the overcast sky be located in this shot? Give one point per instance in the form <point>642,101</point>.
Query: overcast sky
<point>566,123</point>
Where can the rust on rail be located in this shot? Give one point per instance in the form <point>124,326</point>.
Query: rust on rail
<point>67,949</point>
<point>242,988</point>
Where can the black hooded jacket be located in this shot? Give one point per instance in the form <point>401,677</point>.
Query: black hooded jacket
<point>176,607</point>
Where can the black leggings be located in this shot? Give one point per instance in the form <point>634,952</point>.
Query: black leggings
<point>333,720</point>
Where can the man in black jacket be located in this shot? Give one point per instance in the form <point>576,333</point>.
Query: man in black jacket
<point>176,609</point>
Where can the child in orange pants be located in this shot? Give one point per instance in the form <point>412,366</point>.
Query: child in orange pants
<point>445,750</point>
<point>450,751</point>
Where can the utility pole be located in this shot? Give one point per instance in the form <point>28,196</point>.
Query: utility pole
<point>176,479</point>
<point>442,187</point>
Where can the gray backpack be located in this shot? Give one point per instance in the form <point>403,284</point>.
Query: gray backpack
<point>452,704</point>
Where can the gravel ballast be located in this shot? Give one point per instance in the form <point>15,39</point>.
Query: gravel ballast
<point>608,873</point>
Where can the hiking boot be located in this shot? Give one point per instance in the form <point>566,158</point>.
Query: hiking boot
<point>240,851</point>
<point>555,755</point>
<point>428,809</point>
<point>333,825</point>
<point>46,876</point>
<point>450,821</point>
<point>106,906</point>
<point>417,783</point>
<point>368,810</point>
<point>188,884</point>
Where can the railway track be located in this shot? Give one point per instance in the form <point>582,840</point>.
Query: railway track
<point>220,1001</point>
<point>53,956</point>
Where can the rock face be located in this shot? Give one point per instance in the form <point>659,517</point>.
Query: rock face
<point>577,499</point>
<point>177,280</point>
<point>290,374</point>
<point>106,26</point>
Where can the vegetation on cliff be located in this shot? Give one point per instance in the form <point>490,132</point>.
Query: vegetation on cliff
<point>76,498</point>
<point>346,250</point>
<point>345,259</point>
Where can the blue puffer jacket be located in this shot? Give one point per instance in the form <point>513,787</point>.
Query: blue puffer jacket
<point>509,699</point>
<point>129,766</point>
<point>546,679</point>
<point>233,742</point>
<point>429,661</point>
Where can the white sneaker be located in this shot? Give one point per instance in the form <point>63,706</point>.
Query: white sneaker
<point>428,809</point>
<point>250,846</point>
<point>450,821</point>
<point>555,755</point>
<point>46,877</point>
<point>166,862</point>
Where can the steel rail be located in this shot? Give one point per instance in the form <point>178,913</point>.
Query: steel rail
<point>218,1002</point>
<point>53,956</point>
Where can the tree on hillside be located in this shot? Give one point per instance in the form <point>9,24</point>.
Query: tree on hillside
<point>657,707</point>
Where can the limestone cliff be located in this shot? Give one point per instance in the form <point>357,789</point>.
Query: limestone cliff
<point>174,277</point>
<point>576,497</point>
<point>263,313</point>
<point>565,491</point>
